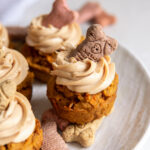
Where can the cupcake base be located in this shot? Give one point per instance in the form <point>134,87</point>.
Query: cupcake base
<point>34,142</point>
<point>40,63</point>
<point>26,86</point>
<point>81,108</point>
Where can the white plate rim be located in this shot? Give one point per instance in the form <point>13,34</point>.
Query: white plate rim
<point>144,137</point>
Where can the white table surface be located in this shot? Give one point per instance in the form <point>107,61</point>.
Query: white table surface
<point>132,29</point>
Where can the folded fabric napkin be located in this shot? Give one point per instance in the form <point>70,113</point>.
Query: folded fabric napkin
<point>52,139</point>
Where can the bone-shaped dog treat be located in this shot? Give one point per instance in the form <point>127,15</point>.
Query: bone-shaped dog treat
<point>60,15</point>
<point>93,12</point>
<point>96,45</point>
<point>52,140</point>
<point>88,11</point>
<point>82,134</point>
<point>51,115</point>
<point>104,19</point>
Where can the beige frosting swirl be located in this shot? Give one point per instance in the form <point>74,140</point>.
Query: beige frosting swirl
<point>4,40</point>
<point>84,76</point>
<point>13,65</point>
<point>17,122</point>
<point>50,39</point>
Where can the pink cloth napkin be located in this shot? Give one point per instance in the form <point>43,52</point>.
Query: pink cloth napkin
<point>50,114</point>
<point>52,139</point>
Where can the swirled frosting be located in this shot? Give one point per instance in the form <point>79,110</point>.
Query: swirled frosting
<point>4,40</point>
<point>13,65</point>
<point>84,76</point>
<point>17,122</point>
<point>50,39</point>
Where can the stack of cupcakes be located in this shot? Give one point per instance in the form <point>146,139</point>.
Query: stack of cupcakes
<point>49,33</point>
<point>19,128</point>
<point>84,82</point>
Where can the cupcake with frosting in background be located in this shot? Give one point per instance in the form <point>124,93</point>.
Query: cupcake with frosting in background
<point>19,128</point>
<point>46,34</point>
<point>84,81</point>
<point>4,38</point>
<point>14,66</point>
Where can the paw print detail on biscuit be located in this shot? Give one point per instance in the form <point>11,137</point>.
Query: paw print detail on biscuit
<point>96,49</point>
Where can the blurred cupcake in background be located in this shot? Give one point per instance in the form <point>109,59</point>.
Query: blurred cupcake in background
<point>13,66</point>
<point>19,129</point>
<point>49,33</point>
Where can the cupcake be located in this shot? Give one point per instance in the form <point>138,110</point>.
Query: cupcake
<point>49,33</point>
<point>84,82</point>
<point>4,39</point>
<point>13,66</point>
<point>19,128</point>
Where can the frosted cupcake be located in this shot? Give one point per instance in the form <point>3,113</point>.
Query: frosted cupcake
<point>13,66</point>
<point>49,33</point>
<point>84,83</point>
<point>19,128</point>
<point>4,39</point>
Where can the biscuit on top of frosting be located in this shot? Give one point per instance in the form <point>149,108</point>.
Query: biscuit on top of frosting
<point>88,68</point>
<point>56,30</point>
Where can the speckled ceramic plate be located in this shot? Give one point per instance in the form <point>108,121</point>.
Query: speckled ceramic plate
<point>125,127</point>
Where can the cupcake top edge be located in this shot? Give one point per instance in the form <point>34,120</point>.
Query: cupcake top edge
<point>49,39</point>
<point>17,121</point>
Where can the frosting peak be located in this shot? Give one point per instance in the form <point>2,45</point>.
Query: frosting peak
<point>49,39</point>
<point>13,65</point>
<point>84,76</point>
<point>4,40</point>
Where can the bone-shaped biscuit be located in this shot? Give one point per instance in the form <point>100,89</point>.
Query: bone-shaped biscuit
<point>82,134</point>
<point>93,12</point>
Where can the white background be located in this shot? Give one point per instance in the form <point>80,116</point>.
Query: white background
<point>132,29</point>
